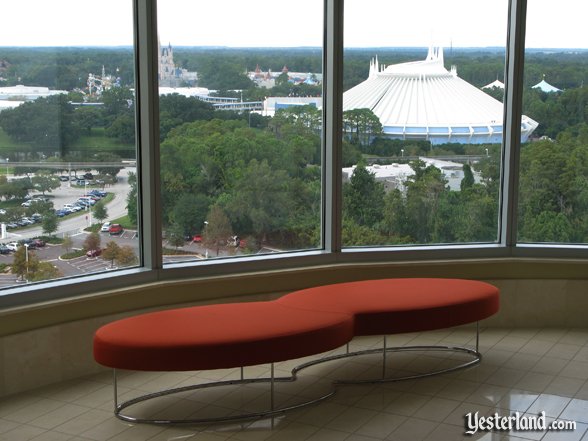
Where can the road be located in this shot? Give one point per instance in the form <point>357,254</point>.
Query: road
<point>69,193</point>
<point>74,226</point>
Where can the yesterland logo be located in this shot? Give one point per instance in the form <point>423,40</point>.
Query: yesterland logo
<point>515,422</point>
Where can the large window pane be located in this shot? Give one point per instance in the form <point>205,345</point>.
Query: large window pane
<point>422,121</point>
<point>553,198</point>
<point>67,139</point>
<point>241,118</point>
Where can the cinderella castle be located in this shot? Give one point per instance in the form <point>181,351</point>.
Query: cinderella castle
<point>169,74</point>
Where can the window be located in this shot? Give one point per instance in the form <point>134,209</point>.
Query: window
<point>240,128</point>
<point>268,133</point>
<point>553,189</point>
<point>67,140</point>
<point>421,144</point>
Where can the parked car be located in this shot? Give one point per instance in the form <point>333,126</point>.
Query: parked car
<point>115,229</point>
<point>27,242</point>
<point>39,243</point>
<point>98,193</point>
<point>24,222</point>
<point>64,178</point>
<point>2,211</point>
<point>12,246</point>
<point>89,176</point>
<point>37,217</point>
<point>93,253</point>
<point>4,249</point>
<point>105,227</point>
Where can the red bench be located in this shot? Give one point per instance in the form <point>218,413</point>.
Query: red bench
<point>299,324</point>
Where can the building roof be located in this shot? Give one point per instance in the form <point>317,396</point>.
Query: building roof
<point>27,92</point>
<point>423,100</point>
<point>496,83</point>
<point>545,86</point>
<point>395,175</point>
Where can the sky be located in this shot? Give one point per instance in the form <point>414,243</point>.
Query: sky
<point>275,23</point>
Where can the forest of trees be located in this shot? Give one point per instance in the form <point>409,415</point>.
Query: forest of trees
<point>261,177</point>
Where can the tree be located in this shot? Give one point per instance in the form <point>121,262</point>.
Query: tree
<point>217,230</point>
<point>468,178</point>
<point>363,198</point>
<point>50,223</point>
<point>132,199</point>
<point>423,190</point>
<point>92,242</point>
<point>126,256</point>
<point>361,125</point>
<point>47,123</point>
<point>24,262</point>
<point>67,242</point>
<point>100,211</point>
<point>44,181</point>
<point>189,213</point>
<point>45,271</point>
<point>175,235</point>
<point>111,252</point>
<point>261,202</point>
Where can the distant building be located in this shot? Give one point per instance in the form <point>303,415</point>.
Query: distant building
<point>27,93</point>
<point>274,103</point>
<point>422,100</point>
<point>544,86</point>
<point>268,79</point>
<point>497,83</point>
<point>169,74</point>
<point>393,176</point>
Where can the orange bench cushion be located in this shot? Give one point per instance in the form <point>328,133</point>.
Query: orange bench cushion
<point>219,336</point>
<point>390,306</point>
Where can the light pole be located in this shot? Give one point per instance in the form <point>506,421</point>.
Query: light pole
<point>26,245</point>
<point>7,159</point>
<point>402,152</point>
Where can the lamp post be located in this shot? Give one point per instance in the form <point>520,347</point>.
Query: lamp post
<point>7,159</point>
<point>487,152</point>
<point>402,152</point>
<point>26,245</point>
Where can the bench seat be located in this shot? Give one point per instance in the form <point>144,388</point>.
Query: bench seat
<point>394,306</point>
<point>219,336</point>
<point>303,323</point>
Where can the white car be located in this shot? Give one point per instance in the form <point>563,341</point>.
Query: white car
<point>12,246</point>
<point>105,227</point>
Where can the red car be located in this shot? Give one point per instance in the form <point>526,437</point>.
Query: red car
<point>115,229</point>
<point>94,253</point>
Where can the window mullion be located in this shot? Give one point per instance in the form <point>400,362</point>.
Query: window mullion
<point>148,163</point>
<point>333,108</point>
<point>513,103</point>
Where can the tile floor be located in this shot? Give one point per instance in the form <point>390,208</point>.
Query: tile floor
<point>523,370</point>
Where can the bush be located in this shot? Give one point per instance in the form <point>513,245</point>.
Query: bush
<point>73,254</point>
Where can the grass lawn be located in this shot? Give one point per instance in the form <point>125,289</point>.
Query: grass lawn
<point>125,222</point>
<point>95,143</point>
<point>99,142</point>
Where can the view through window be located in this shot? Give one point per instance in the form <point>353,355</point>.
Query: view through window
<point>241,120</point>
<point>67,140</point>
<point>553,190</point>
<point>423,121</point>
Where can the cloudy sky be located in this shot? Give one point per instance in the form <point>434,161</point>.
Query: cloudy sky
<point>461,23</point>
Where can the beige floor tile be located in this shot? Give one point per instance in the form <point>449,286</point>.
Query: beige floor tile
<point>522,370</point>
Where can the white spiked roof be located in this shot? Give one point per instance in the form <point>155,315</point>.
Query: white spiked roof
<point>545,86</point>
<point>423,100</point>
